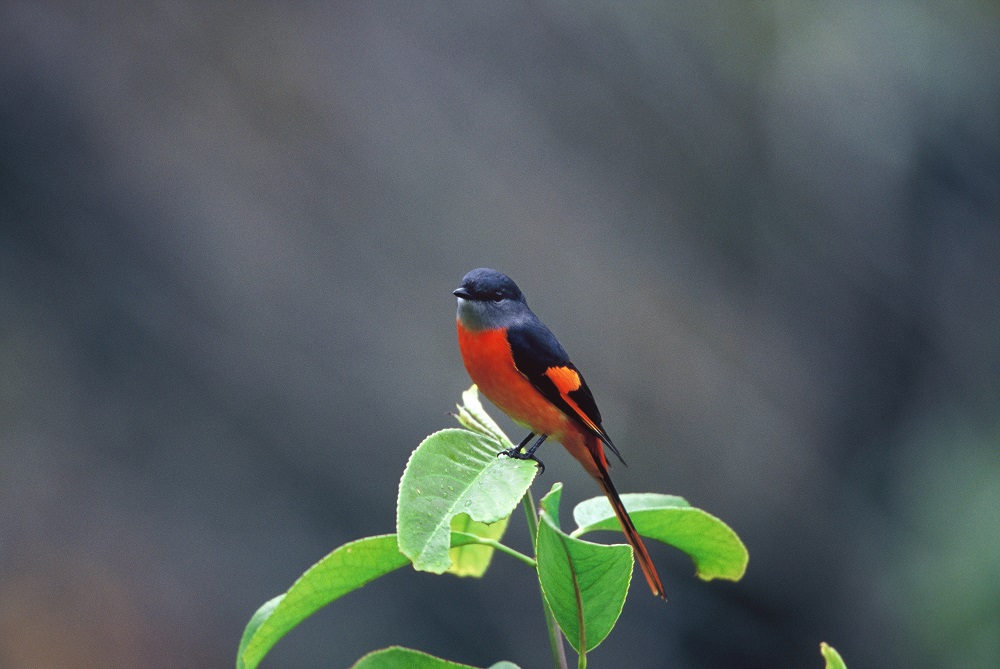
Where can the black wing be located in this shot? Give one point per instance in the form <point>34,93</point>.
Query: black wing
<point>544,362</point>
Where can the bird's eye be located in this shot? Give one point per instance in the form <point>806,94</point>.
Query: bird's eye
<point>497,296</point>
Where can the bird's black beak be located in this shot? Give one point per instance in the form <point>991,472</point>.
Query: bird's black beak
<point>461,292</point>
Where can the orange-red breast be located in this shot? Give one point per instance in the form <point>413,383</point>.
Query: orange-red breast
<point>522,368</point>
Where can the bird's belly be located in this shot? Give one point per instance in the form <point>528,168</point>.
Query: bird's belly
<point>488,360</point>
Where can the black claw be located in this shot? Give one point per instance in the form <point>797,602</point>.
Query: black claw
<point>518,455</point>
<point>530,455</point>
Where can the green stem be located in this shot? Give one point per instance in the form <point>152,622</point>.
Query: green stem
<point>496,545</point>
<point>555,634</point>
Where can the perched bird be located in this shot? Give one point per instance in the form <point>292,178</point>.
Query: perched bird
<point>522,368</point>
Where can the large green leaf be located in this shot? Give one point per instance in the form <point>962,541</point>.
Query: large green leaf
<point>345,569</point>
<point>585,584</point>
<point>397,657</point>
<point>715,549</point>
<point>832,657</point>
<point>454,471</point>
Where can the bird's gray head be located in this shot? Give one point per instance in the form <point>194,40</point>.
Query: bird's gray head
<point>489,299</point>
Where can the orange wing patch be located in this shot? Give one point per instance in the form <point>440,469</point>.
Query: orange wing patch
<point>567,380</point>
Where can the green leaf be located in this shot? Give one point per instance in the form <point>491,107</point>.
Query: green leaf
<point>550,504</point>
<point>474,559</point>
<point>833,659</point>
<point>397,657</point>
<point>256,620</point>
<point>585,584</point>
<point>715,549</point>
<point>454,471</point>
<point>345,569</point>
<point>472,415</point>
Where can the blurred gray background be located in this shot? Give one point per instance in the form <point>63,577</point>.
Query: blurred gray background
<point>767,232</point>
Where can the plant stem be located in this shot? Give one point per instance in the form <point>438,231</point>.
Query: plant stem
<point>555,634</point>
<point>495,545</point>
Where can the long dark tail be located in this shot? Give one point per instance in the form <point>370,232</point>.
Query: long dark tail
<point>631,534</point>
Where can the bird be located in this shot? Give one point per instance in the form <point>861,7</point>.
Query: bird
<point>520,366</point>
